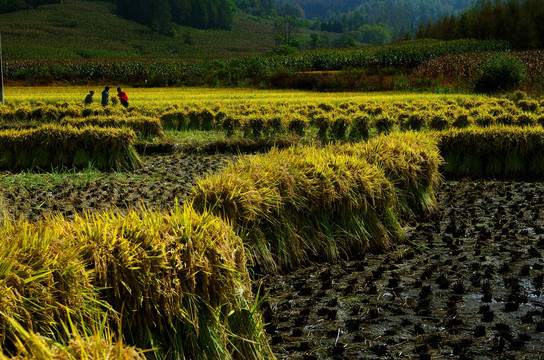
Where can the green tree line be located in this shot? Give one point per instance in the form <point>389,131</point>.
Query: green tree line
<point>256,7</point>
<point>378,21</point>
<point>12,5</point>
<point>519,22</point>
<point>160,14</point>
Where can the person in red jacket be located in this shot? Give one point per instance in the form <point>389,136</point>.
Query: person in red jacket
<point>123,98</point>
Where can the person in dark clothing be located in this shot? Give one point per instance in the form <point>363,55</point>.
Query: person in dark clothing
<point>89,98</point>
<point>123,98</point>
<point>106,96</point>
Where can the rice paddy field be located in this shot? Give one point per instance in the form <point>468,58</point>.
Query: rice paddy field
<point>164,97</point>
<point>207,223</point>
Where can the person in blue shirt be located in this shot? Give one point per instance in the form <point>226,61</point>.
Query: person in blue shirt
<point>106,96</point>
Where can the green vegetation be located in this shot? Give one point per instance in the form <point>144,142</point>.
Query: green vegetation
<point>42,47</point>
<point>517,21</point>
<point>462,71</point>
<point>270,71</point>
<point>500,72</point>
<point>375,21</point>
<point>159,14</point>
<point>9,6</point>
<point>77,29</point>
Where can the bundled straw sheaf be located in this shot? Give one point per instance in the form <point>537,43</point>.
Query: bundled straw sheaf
<point>43,279</point>
<point>78,343</point>
<point>52,146</point>
<point>497,151</point>
<point>142,125</point>
<point>302,204</point>
<point>410,161</point>
<point>175,283</point>
<point>189,119</point>
<point>178,280</point>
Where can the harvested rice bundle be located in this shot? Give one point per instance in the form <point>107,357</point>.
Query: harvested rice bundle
<point>497,151</point>
<point>43,280</point>
<point>179,281</point>
<point>78,343</point>
<point>410,160</point>
<point>51,146</point>
<point>299,204</point>
<point>142,126</point>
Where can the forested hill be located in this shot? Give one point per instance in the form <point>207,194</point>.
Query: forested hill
<point>326,9</point>
<point>205,14</point>
<point>157,14</point>
<point>377,21</point>
<point>330,9</point>
<point>520,22</point>
<point>11,5</point>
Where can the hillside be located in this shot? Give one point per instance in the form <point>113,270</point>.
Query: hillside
<point>76,29</point>
<point>327,9</point>
<point>377,21</point>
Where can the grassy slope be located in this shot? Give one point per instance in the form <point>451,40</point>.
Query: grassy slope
<point>77,28</point>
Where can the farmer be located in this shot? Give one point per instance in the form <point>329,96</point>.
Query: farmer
<point>123,98</point>
<point>106,96</point>
<point>89,98</point>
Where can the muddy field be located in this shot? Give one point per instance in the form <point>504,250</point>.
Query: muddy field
<point>161,180</point>
<point>468,283</point>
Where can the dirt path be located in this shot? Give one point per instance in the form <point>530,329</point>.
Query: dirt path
<point>467,285</point>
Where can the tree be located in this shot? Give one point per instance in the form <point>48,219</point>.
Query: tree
<point>285,28</point>
<point>160,15</point>
<point>374,34</point>
<point>350,42</point>
<point>314,42</point>
<point>519,22</point>
<point>180,10</point>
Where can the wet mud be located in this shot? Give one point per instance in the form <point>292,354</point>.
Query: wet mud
<point>468,284</point>
<point>162,179</point>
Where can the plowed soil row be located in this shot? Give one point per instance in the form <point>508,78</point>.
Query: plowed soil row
<point>468,284</point>
<point>161,180</point>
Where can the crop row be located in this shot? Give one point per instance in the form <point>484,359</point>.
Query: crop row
<point>307,203</point>
<point>344,121</point>
<point>54,146</point>
<point>173,71</point>
<point>177,282</point>
<point>497,152</point>
<point>54,112</point>
<point>354,121</point>
<point>142,126</point>
<point>465,67</point>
